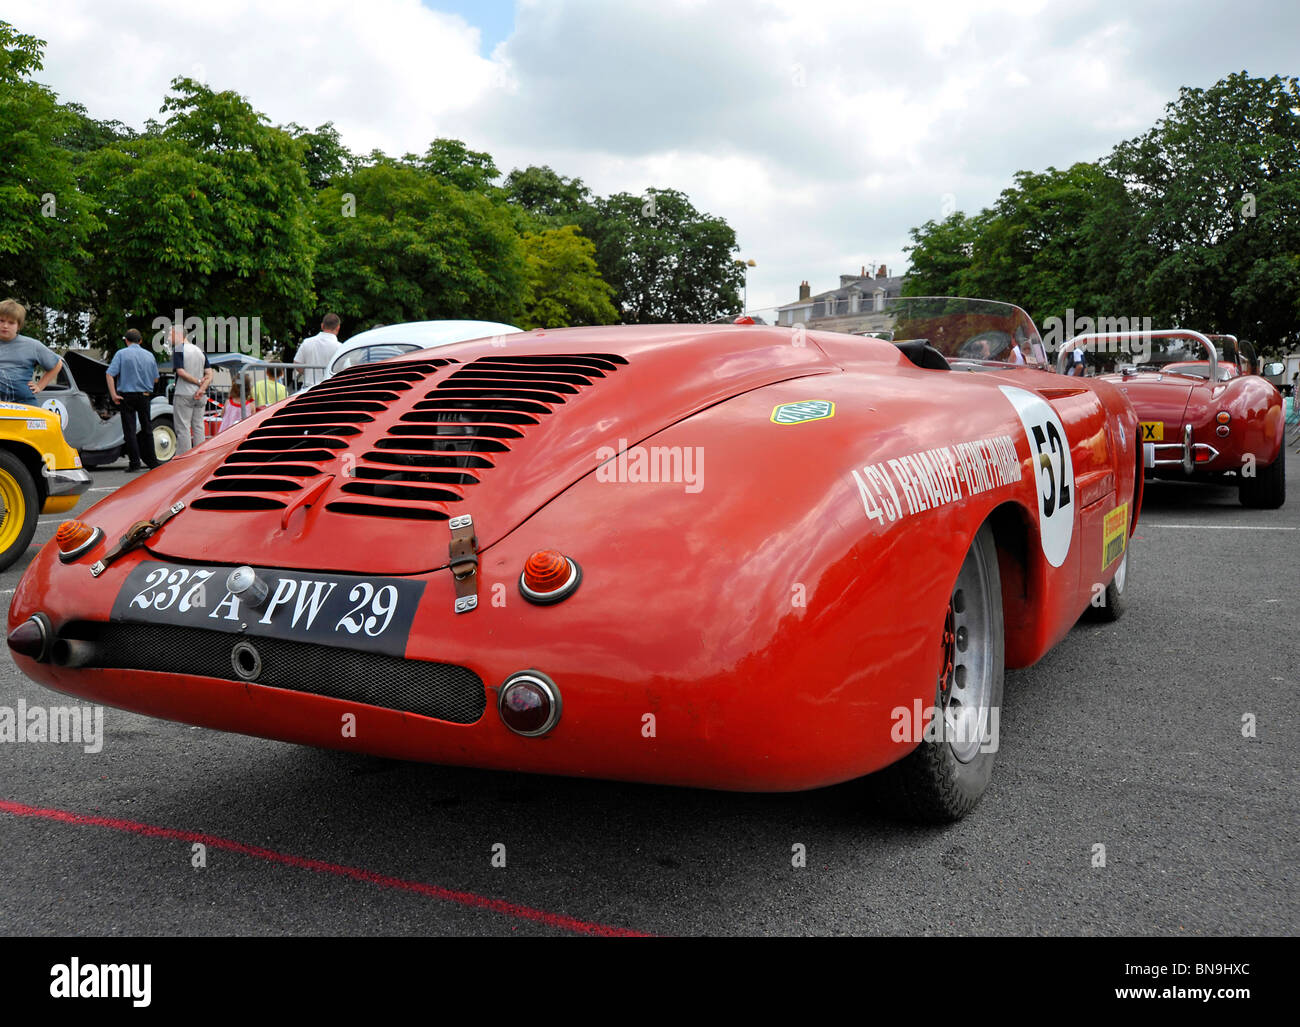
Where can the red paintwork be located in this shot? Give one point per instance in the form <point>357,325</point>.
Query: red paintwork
<point>1176,400</point>
<point>767,622</point>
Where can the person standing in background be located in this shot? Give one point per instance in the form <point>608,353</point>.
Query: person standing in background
<point>19,355</point>
<point>136,371</point>
<point>193,376</point>
<point>317,352</point>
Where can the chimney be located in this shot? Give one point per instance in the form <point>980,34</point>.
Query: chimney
<point>805,291</point>
<point>863,272</point>
<point>882,272</point>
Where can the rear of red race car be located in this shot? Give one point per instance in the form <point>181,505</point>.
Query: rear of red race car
<point>640,554</point>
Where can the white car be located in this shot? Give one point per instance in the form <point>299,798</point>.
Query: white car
<point>394,340</point>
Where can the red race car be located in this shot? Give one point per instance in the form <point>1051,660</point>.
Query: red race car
<point>729,556</point>
<point>1205,412</point>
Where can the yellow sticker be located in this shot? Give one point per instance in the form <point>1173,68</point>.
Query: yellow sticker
<point>1114,533</point>
<point>1151,431</point>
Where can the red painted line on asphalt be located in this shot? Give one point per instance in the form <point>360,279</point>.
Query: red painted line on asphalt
<point>460,898</point>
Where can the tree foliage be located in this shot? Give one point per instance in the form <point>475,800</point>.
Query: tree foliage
<point>213,211</point>
<point>1215,187</point>
<point>207,213</point>
<point>1195,223</point>
<point>44,217</point>
<point>402,245</point>
<point>564,284</point>
<point>666,261</point>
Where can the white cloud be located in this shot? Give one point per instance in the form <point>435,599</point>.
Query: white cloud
<point>822,130</point>
<point>386,72</point>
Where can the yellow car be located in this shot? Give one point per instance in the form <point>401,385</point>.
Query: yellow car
<point>39,473</point>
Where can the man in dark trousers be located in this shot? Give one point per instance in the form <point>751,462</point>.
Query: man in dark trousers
<point>136,372</point>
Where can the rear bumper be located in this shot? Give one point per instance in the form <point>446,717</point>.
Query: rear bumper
<point>1187,455</point>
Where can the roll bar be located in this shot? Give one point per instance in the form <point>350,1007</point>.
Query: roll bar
<point>1164,333</point>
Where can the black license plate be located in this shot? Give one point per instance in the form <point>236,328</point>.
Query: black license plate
<point>372,614</point>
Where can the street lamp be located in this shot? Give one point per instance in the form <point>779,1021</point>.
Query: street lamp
<point>746,264</point>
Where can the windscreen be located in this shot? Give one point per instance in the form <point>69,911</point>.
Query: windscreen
<point>965,331</point>
<point>1178,354</point>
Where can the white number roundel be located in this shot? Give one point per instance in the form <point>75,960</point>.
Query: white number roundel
<point>1053,471</point>
<point>56,406</point>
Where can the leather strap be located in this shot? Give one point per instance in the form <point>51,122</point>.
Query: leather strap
<point>134,536</point>
<point>463,561</point>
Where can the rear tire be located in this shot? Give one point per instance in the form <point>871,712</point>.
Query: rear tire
<point>21,505</point>
<point>1266,490</point>
<point>945,776</point>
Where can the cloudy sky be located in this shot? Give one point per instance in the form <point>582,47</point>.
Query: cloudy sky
<point>821,130</point>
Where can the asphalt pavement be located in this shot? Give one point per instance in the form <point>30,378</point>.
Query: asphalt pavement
<point>1128,736</point>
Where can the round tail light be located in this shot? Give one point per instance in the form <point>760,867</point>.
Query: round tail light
<point>529,703</point>
<point>548,577</point>
<point>32,637</point>
<point>76,537</point>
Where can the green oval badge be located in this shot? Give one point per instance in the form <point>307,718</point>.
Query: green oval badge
<point>805,410</point>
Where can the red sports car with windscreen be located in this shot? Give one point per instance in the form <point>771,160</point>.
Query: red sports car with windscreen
<point>1205,413</point>
<point>730,556</point>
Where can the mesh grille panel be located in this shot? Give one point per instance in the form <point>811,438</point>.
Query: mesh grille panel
<point>440,690</point>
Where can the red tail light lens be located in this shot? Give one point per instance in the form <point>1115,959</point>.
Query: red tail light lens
<point>529,703</point>
<point>548,577</point>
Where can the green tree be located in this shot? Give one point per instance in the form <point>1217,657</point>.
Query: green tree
<point>84,134</point>
<point>940,254</point>
<point>1215,188</point>
<point>666,261</point>
<point>208,213</point>
<point>550,198</point>
<point>1047,243</point>
<point>564,285</point>
<point>1055,240</point>
<point>453,163</point>
<point>45,220</point>
<point>401,245</point>
<point>326,157</point>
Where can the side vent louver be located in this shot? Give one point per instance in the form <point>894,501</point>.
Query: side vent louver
<point>414,449</point>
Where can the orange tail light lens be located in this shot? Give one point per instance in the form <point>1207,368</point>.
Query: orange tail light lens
<point>72,534</point>
<point>548,577</point>
<point>74,538</point>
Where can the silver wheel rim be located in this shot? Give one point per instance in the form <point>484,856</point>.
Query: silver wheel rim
<point>966,676</point>
<point>164,444</point>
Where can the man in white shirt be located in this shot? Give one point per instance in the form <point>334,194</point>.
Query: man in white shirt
<point>316,353</point>
<point>193,376</point>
